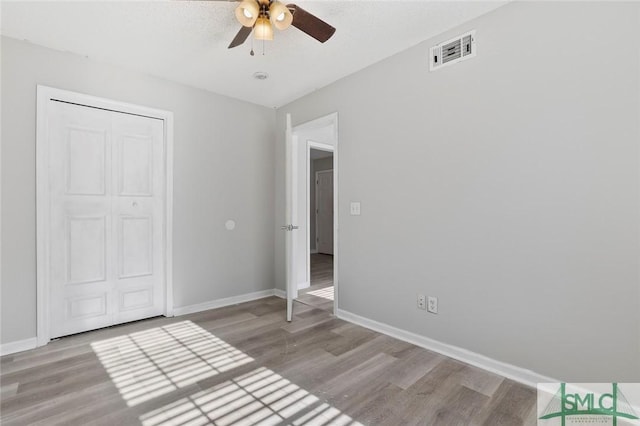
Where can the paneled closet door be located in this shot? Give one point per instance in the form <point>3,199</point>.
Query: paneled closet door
<point>105,256</point>
<point>138,213</point>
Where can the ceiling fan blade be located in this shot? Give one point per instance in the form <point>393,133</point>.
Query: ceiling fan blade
<point>240,37</point>
<point>310,24</point>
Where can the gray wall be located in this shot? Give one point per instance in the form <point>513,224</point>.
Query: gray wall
<point>223,169</point>
<point>317,165</point>
<point>509,189</point>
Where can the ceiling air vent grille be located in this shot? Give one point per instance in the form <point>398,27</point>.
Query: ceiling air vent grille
<point>453,51</point>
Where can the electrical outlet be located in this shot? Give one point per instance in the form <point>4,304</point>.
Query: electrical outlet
<point>432,304</point>
<point>422,303</point>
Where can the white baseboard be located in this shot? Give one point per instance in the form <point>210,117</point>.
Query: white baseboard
<point>219,303</point>
<point>510,371</point>
<point>24,345</point>
<point>519,374</point>
<point>18,346</point>
<point>304,285</point>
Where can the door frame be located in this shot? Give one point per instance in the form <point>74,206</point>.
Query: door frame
<point>317,178</point>
<point>319,123</point>
<point>319,146</point>
<point>45,95</point>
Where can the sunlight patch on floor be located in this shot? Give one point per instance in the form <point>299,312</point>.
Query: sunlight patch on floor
<point>150,363</point>
<point>260,397</point>
<point>325,293</point>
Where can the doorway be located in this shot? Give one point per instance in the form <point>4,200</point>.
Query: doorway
<point>320,292</point>
<point>319,135</point>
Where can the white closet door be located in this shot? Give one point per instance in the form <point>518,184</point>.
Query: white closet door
<point>137,211</point>
<point>105,224</point>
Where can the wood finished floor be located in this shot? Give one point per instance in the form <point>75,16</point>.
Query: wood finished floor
<point>320,293</point>
<point>245,365</point>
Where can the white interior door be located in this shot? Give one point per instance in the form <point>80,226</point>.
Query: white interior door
<point>138,207</point>
<point>324,215</point>
<point>105,217</point>
<point>291,217</point>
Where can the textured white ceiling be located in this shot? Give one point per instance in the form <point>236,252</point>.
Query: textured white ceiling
<point>186,41</point>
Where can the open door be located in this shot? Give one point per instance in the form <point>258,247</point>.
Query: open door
<point>291,217</point>
<point>321,133</point>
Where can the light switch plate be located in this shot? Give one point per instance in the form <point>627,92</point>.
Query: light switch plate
<point>432,304</point>
<point>355,208</point>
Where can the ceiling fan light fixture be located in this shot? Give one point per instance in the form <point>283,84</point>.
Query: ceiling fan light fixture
<point>263,29</point>
<point>260,17</point>
<point>247,12</point>
<point>280,15</point>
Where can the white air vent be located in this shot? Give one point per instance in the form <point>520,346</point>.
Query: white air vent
<point>453,51</point>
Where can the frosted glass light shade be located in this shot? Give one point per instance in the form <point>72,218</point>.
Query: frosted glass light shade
<point>280,15</point>
<point>247,12</point>
<point>263,29</point>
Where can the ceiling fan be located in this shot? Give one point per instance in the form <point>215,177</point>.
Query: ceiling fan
<point>260,16</point>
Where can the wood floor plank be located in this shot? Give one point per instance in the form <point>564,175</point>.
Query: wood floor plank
<point>371,405</point>
<point>8,389</point>
<point>510,405</point>
<point>58,405</point>
<point>413,367</point>
<point>480,380</point>
<point>297,369</point>
<point>352,381</point>
<point>462,405</point>
<point>317,316</point>
<point>418,403</point>
<point>320,293</point>
<point>41,371</point>
<point>214,323</point>
<point>55,387</point>
<point>79,410</point>
<point>45,357</point>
